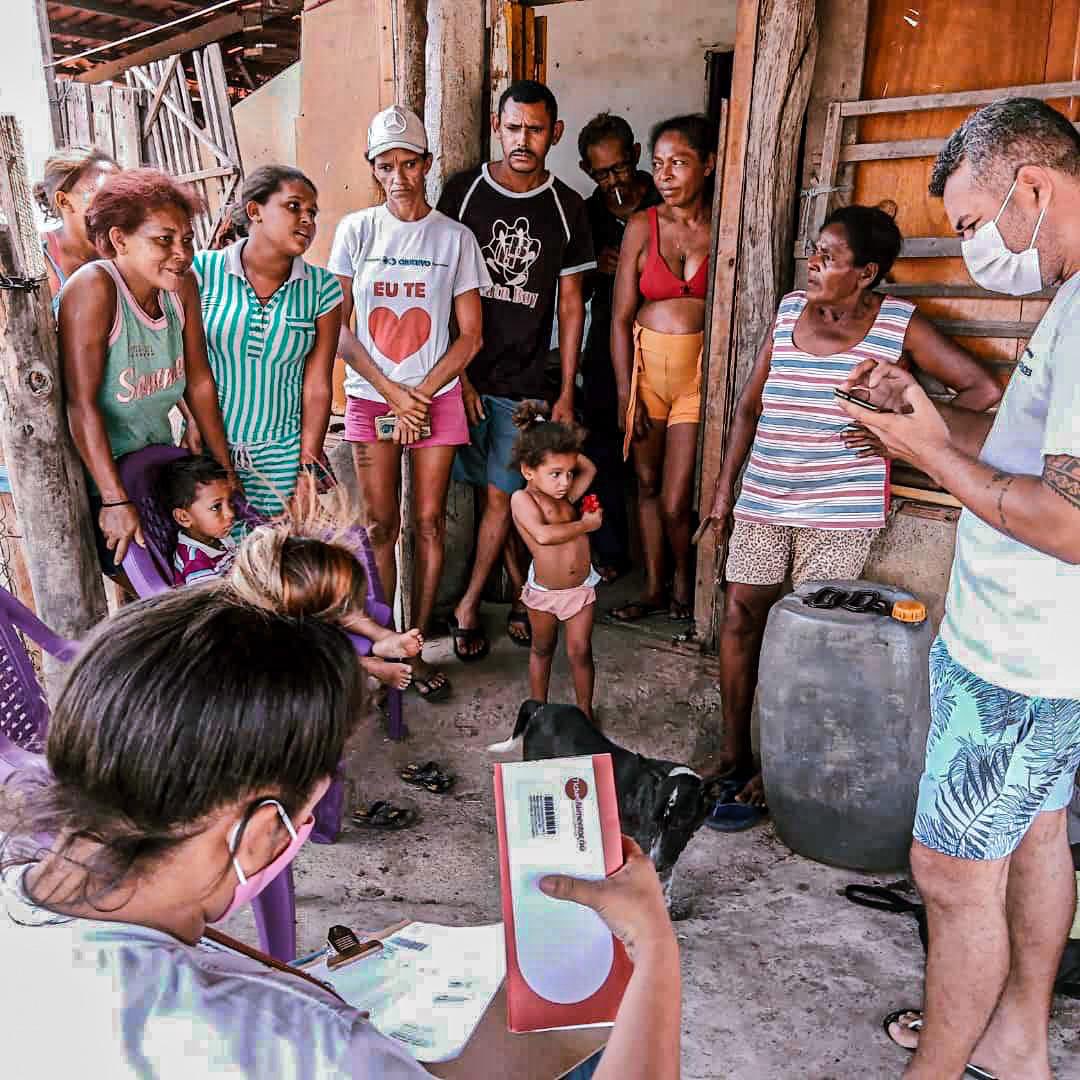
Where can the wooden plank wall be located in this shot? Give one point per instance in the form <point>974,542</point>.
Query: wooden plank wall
<point>942,48</point>
<point>105,116</point>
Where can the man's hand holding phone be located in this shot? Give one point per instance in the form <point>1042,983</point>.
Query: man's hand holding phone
<point>895,409</point>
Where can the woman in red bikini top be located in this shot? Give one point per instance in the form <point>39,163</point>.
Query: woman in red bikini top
<point>656,338</point>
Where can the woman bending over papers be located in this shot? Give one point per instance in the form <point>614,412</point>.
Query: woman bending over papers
<point>167,822</point>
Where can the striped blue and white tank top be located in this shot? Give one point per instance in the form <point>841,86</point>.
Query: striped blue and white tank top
<point>800,473</point>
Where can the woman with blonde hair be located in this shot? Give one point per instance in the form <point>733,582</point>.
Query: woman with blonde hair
<point>71,180</point>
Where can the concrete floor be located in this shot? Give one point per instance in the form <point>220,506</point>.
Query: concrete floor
<point>781,975</point>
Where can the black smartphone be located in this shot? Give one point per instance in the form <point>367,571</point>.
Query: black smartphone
<point>861,402</point>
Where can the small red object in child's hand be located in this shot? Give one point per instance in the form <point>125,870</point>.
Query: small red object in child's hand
<point>590,504</point>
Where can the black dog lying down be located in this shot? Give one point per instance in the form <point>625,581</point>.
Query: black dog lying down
<point>661,803</point>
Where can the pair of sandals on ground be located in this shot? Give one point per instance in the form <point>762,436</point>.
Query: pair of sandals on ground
<point>383,814</point>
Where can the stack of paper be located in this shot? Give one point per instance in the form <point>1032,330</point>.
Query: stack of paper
<point>428,987</point>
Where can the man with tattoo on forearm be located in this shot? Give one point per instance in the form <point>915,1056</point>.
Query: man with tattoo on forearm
<point>991,855</point>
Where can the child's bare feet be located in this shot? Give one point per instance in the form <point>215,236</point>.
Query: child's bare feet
<point>408,644</point>
<point>389,673</point>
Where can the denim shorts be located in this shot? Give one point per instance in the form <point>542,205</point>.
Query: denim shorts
<point>994,760</point>
<point>486,459</point>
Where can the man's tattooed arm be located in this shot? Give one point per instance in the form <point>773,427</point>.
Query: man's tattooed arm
<point>1061,474</point>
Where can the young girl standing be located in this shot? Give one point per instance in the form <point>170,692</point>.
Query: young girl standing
<point>561,585</point>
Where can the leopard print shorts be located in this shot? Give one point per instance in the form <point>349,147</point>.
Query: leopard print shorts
<point>763,554</point>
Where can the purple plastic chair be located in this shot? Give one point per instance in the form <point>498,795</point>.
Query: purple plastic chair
<point>150,572</point>
<point>24,711</point>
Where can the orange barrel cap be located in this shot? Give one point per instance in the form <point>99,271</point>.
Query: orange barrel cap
<point>909,611</point>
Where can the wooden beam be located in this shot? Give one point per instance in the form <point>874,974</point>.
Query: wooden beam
<point>964,98</point>
<point>940,290</point>
<point>893,151</point>
<point>214,30</point>
<point>159,95</point>
<point>914,247</point>
<point>985,328</point>
<point>48,479</point>
<point>119,11</point>
<point>74,32</point>
<point>55,117</point>
<point>720,322</point>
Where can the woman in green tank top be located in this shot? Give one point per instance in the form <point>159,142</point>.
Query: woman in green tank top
<point>132,344</point>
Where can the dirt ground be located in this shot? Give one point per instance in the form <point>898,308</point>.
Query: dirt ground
<point>781,975</point>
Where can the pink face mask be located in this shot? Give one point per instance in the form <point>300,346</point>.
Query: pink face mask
<point>250,887</point>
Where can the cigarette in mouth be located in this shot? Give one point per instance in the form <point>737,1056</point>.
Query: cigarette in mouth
<point>618,196</point>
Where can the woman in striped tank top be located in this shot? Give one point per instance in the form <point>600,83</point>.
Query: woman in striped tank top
<point>131,343</point>
<point>815,493</point>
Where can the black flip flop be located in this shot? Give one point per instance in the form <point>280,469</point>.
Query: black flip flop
<point>428,776</point>
<point>430,693</point>
<point>382,814</point>
<point>641,609</point>
<point>894,1018</point>
<point>521,620</point>
<point>467,636</point>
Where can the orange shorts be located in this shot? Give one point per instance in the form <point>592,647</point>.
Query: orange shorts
<point>666,377</point>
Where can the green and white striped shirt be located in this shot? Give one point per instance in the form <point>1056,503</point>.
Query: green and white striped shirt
<point>257,354</point>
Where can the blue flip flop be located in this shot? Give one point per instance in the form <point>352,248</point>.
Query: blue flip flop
<point>727,815</point>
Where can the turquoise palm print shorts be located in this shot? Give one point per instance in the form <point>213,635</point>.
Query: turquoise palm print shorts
<point>994,759</point>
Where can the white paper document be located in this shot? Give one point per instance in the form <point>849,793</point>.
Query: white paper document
<point>429,986</point>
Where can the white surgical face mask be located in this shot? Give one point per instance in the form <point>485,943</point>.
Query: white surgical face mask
<point>994,266</point>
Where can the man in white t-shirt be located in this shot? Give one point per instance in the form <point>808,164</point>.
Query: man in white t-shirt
<point>991,856</point>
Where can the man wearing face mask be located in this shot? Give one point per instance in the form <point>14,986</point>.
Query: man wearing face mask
<point>991,855</point>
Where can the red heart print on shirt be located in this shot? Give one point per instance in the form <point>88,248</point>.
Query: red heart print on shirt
<point>398,338</point>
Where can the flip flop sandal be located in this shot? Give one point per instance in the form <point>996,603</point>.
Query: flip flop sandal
<point>383,815</point>
<point>414,770</point>
<point>916,1025</point>
<point>636,610</point>
<point>427,691</point>
<point>520,619</point>
<point>429,776</point>
<point>467,636</point>
<point>679,612</point>
<point>735,816</point>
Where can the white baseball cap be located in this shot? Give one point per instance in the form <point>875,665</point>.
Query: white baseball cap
<point>396,128</point>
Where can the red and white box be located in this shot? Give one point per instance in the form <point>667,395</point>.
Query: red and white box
<point>564,968</point>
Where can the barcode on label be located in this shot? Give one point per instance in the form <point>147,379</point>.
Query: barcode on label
<point>542,816</point>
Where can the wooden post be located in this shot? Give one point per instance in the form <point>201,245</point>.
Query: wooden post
<point>410,82</point>
<point>720,324</point>
<point>46,474</point>
<point>456,121</point>
<point>50,72</point>
<point>782,68</point>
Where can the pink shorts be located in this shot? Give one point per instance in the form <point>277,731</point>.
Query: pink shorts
<point>448,424</point>
<point>564,604</point>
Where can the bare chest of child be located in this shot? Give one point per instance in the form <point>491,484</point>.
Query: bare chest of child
<point>559,566</point>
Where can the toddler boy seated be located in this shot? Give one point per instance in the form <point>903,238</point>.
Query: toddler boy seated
<point>196,491</point>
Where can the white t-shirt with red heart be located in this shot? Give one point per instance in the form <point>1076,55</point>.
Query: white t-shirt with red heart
<point>405,275</point>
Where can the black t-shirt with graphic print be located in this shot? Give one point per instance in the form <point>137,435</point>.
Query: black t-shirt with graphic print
<point>528,242</point>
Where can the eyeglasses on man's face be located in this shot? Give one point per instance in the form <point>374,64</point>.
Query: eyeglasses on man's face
<point>620,171</point>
